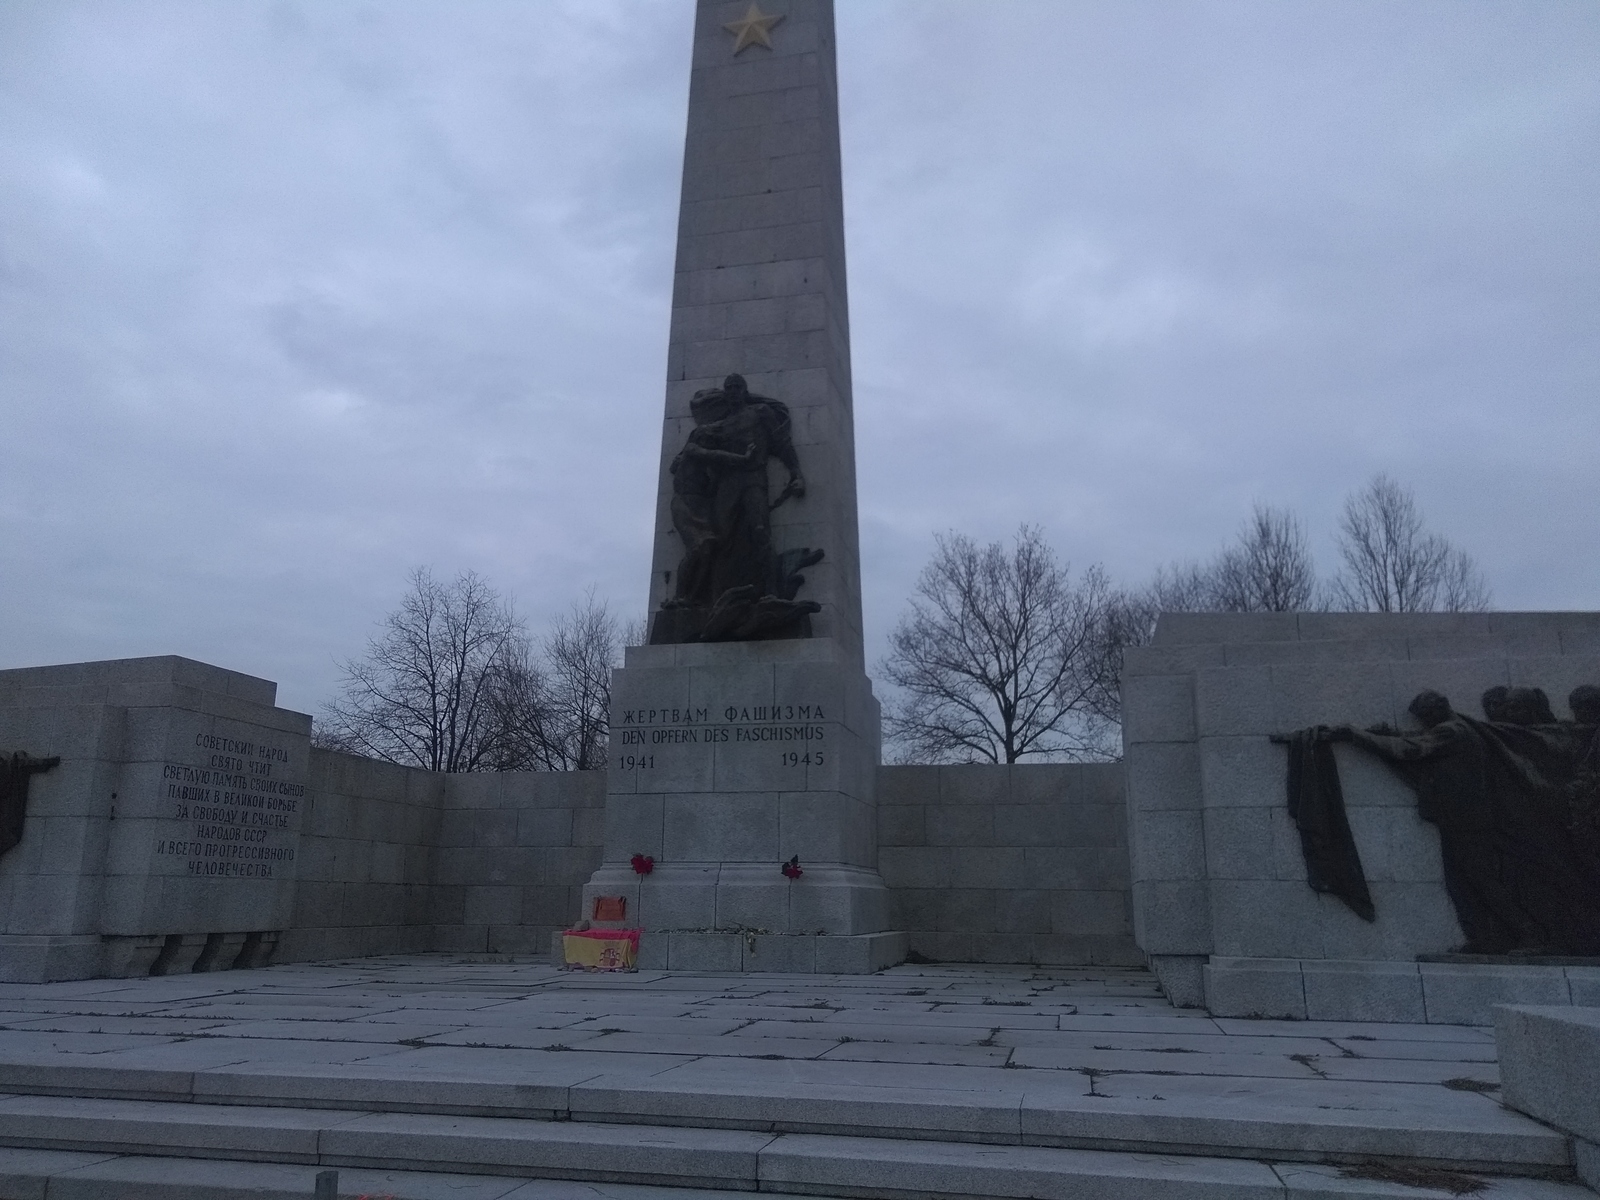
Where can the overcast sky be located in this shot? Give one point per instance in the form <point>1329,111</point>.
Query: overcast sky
<point>296,296</point>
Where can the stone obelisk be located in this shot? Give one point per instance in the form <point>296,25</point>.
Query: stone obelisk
<point>745,736</point>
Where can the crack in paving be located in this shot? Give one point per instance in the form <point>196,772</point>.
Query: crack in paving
<point>1309,1062</point>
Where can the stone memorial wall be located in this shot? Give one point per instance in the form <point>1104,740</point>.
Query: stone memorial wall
<point>169,832</point>
<point>190,826</point>
<point>368,848</point>
<point>1009,864</point>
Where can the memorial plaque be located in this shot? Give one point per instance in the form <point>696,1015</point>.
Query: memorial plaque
<point>206,822</point>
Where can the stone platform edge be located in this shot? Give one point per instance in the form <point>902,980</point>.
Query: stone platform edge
<point>1434,993</point>
<point>805,1166</point>
<point>736,952</point>
<point>1549,1062</point>
<point>96,1098</point>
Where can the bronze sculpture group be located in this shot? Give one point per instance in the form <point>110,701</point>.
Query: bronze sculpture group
<point>1516,799</point>
<point>732,584</point>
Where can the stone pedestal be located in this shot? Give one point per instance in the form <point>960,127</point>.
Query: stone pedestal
<point>728,761</point>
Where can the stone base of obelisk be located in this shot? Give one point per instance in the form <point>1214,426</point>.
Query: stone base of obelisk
<point>728,761</point>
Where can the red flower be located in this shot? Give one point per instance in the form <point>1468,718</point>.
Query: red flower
<point>792,868</point>
<point>643,864</point>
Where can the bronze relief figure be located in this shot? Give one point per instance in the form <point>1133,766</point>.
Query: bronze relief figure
<point>1516,799</point>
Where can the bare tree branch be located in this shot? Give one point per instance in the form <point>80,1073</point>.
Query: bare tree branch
<point>1393,564</point>
<point>556,712</point>
<point>1462,587</point>
<point>1268,569</point>
<point>424,693</point>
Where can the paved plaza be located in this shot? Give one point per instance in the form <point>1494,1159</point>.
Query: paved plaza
<point>1085,1032</point>
<point>413,1066</point>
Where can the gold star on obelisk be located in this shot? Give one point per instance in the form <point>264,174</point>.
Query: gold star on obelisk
<point>754,30</point>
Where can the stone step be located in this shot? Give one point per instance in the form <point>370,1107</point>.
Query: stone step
<point>499,1159</point>
<point>1277,1121</point>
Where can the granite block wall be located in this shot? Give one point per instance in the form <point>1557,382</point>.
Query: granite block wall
<point>51,883</point>
<point>1009,864</point>
<point>514,851</point>
<point>366,860</point>
<point>395,860</point>
<point>1020,864</point>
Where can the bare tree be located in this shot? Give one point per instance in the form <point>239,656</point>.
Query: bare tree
<point>579,654</point>
<point>1391,562</point>
<point>1462,587</point>
<point>1129,619</point>
<point>522,715</point>
<point>1180,587</point>
<point>424,695</point>
<point>1268,569</point>
<point>1002,656</point>
<point>555,711</point>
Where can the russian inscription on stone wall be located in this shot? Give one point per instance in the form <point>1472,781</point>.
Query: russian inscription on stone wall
<point>796,732</point>
<point>240,806</point>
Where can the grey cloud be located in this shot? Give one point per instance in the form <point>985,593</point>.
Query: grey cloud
<point>295,296</point>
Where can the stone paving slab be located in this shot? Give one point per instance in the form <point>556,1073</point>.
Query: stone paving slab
<point>523,1099</point>
<point>937,1055</point>
<point>332,1031</point>
<point>1124,1112</point>
<point>136,1026</point>
<point>27,1174</point>
<point>1307,1181</point>
<point>521,1037</point>
<point>1077,1057</point>
<point>1386,1031</point>
<point>1422,1051</point>
<point>1483,1075</point>
<point>717,1074</point>
<point>878,1168</point>
<point>702,1026</point>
